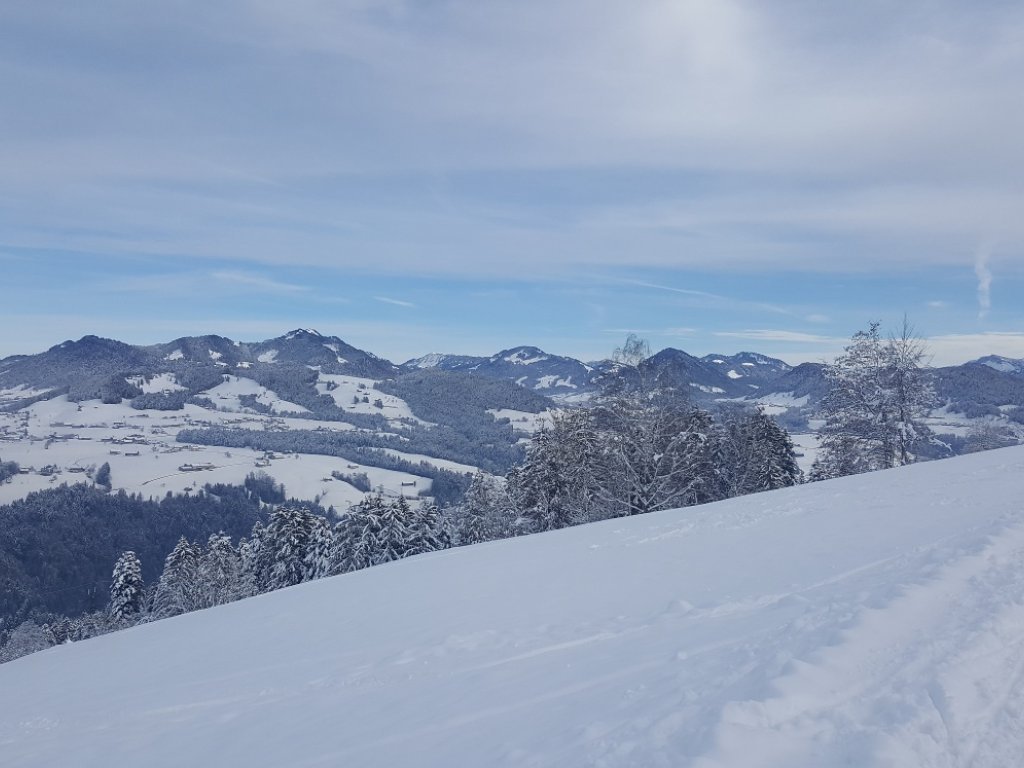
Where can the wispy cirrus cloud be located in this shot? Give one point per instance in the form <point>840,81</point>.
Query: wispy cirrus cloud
<point>227,283</point>
<point>715,298</point>
<point>394,302</point>
<point>773,334</point>
<point>258,282</point>
<point>672,331</point>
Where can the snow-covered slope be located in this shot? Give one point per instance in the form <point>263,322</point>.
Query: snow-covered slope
<point>530,367</point>
<point>869,621</point>
<point>1002,364</point>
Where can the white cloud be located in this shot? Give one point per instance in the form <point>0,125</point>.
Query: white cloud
<point>193,283</point>
<point>811,122</point>
<point>676,331</point>
<point>394,302</point>
<point>953,349</point>
<point>257,282</point>
<point>771,334</point>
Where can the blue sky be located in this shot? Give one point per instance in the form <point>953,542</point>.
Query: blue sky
<point>464,176</point>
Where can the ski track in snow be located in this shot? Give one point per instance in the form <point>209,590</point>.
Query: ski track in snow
<point>901,691</point>
<point>871,621</point>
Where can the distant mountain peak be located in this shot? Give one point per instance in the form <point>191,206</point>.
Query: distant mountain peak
<point>1001,364</point>
<point>522,356</point>
<point>299,332</point>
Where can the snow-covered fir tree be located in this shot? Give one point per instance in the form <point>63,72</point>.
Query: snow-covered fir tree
<point>557,484</point>
<point>779,468</point>
<point>126,589</point>
<point>319,552</point>
<point>250,552</point>
<point>758,455</point>
<point>356,535</point>
<point>393,533</point>
<point>485,512</point>
<point>178,590</point>
<point>285,547</point>
<point>220,573</point>
<point>427,530</point>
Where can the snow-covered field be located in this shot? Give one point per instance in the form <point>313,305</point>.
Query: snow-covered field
<point>523,421</point>
<point>349,391</point>
<point>779,402</point>
<point>227,396</point>
<point>868,621</point>
<point>145,458</point>
<point>807,449</point>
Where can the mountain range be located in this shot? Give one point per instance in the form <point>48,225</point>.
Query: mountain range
<point>94,367</point>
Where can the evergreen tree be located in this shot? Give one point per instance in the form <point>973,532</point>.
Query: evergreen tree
<point>557,484</point>
<point>319,557</point>
<point>757,454</point>
<point>103,475</point>
<point>220,573</point>
<point>362,533</point>
<point>393,534</point>
<point>485,512</point>
<point>285,547</point>
<point>254,565</point>
<point>427,532</point>
<point>346,553</point>
<point>780,467</point>
<point>178,589</point>
<point>126,589</point>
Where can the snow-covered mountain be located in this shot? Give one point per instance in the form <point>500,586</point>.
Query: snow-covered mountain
<point>712,376</point>
<point>1001,364</point>
<point>530,367</point>
<point>868,621</point>
<point>298,373</point>
<point>328,353</point>
<point>567,378</point>
<point>93,367</point>
<point>749,368</point>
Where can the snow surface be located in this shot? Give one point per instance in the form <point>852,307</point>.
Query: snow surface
<point>779,402</point>
<point>522,357</point>
<point>431,360</point>
<point>77,435</point>
<point>162,382</point>
<point>523,421</point>
<point>334,348</point>
<point>546,382</point>
<point>706,388</point>
<point>868,621</point>
<point>1003,365</point>
<point>346,388</point>
<point>227,394</point>
<point>20,392</point>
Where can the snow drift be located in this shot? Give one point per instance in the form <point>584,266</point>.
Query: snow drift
<point>870,621</point>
